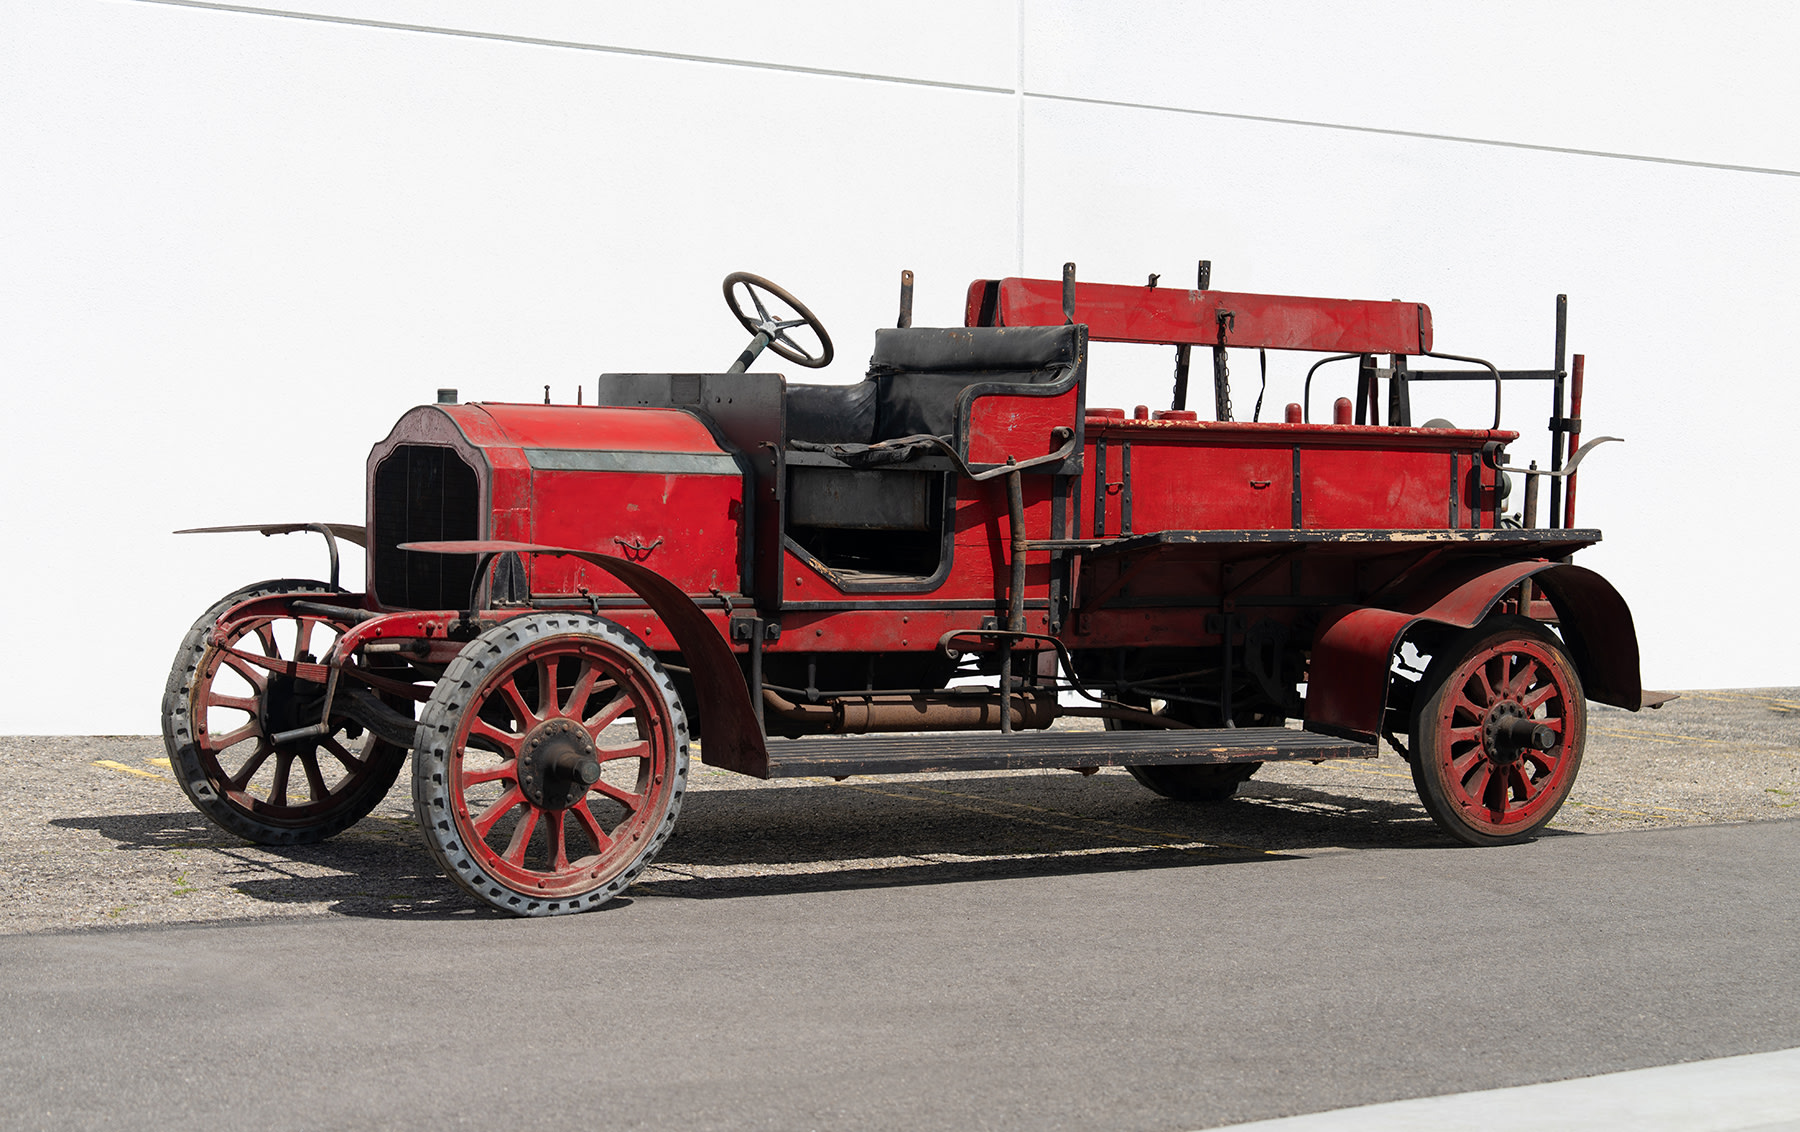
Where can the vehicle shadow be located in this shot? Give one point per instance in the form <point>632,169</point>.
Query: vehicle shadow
<point>378,868</point>
<point>822,836</point>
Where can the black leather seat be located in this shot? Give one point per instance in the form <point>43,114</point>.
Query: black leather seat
<point>916,376</point>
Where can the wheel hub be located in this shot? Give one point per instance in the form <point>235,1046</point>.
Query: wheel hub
<point>1508,732</point>
<point>557,764</point>
<point>287,704</point>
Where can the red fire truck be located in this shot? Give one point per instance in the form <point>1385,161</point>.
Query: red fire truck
<point>922,571</point>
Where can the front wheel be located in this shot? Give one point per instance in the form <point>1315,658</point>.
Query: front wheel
<point>1498,733</point>
<point>227,697</point>
<point>551,764</point>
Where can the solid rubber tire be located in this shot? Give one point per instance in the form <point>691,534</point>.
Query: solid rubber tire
<point>184,759</point>
<point>440,721</point>
<point>1435,684</point>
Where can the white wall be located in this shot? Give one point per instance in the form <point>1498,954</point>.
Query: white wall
<point>234,246</point>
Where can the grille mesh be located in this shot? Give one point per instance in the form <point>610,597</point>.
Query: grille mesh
<point>424,493</point>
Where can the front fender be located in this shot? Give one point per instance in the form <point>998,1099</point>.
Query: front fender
<point>1353,650</point>
<point>734,740</point>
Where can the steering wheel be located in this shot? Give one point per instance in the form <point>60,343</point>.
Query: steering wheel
<point>773,330</point>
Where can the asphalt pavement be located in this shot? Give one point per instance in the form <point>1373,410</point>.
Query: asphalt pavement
<point>1030,951</point>
<point>1155,998</point>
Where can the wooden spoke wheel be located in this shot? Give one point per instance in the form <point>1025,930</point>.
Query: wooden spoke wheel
<point>225,698</point>
<point>1498,733</point>
<point>554,765</point>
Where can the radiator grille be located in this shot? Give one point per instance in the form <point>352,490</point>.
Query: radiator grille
<point>424,493</point>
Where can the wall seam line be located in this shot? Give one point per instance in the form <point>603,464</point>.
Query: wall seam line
<point>1017,92</point>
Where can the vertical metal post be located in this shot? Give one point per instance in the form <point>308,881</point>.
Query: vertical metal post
<point>1206,275</point>
<point>1556,411</point>
<point>1015,601</point>
<point>1399,396</point>
<point>1575,381</point>
<point>1226,675</point>
<point>906,292</point>
<point>1068,293</point>
<point>1184,356</point>
<point>1015,505</point>
<point>1368,409</point>
<point>756,673</point>
<point>1528,511</point>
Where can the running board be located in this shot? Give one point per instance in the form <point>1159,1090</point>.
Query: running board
<point>838,756</point>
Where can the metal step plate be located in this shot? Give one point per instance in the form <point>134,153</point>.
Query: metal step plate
<point>1033,750</point>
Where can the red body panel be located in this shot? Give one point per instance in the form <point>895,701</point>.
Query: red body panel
<point>648,485</point>
<point>1177,317</point>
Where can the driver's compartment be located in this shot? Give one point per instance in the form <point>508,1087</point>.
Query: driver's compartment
<point>861,480</point>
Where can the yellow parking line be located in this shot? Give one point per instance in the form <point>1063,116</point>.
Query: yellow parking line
<point>110,765</point>
<point>1343,764</point>
<point>1741,696</point>
<point>1610,809</point>
<point>1677,740</point>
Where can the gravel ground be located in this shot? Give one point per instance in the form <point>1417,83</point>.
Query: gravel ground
<point>99,834</point>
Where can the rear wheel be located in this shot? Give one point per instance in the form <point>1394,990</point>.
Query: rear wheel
<point>1202,783</point>
<point>225,698</point>
<point>553,762</point>
<point>1499,731</point>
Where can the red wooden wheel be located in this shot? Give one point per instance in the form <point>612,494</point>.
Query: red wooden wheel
<point>556,764</point>
<point>1498,735</point>
<point>226,697</point>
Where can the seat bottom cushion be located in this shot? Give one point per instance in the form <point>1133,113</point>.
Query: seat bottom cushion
<point>831,414</point>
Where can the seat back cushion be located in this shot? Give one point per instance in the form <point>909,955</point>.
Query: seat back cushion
<point>832,414</point>
<point>919,372</point>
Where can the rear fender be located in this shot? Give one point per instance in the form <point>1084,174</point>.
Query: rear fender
<point>1353,650</point>
<point>734,740</point>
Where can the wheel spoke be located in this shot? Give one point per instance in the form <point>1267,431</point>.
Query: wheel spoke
<point>507,770</point>
<point>482,728</point>
<point>591,825</point>
<point>1461,764</point>
<point>1534,700</point>
<point>484,821</point>
<point>315,781</point>
<point>1480,676</point>
<point>559,851</point>
<point>1468,709</point>
<point>235,703</point>
<point>251,765</point>
<point>342,754</point>
<point>303,631</point>
<point>284,765</point>
<point>515,700</point>
<point>609,714</point>
<point>584,687</point>
<point>1523,678</point>
<point>521,837</point>
<point>249,672</point>
<point>265,633</point>
<point>546,672</point>
<point>1526,790</point>
<point>618,794</point>
<point>639,750</point>
<point>1460,735</point>
<point>217,743</point>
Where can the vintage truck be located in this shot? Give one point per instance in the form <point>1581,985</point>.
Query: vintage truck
<point>922,571</point>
